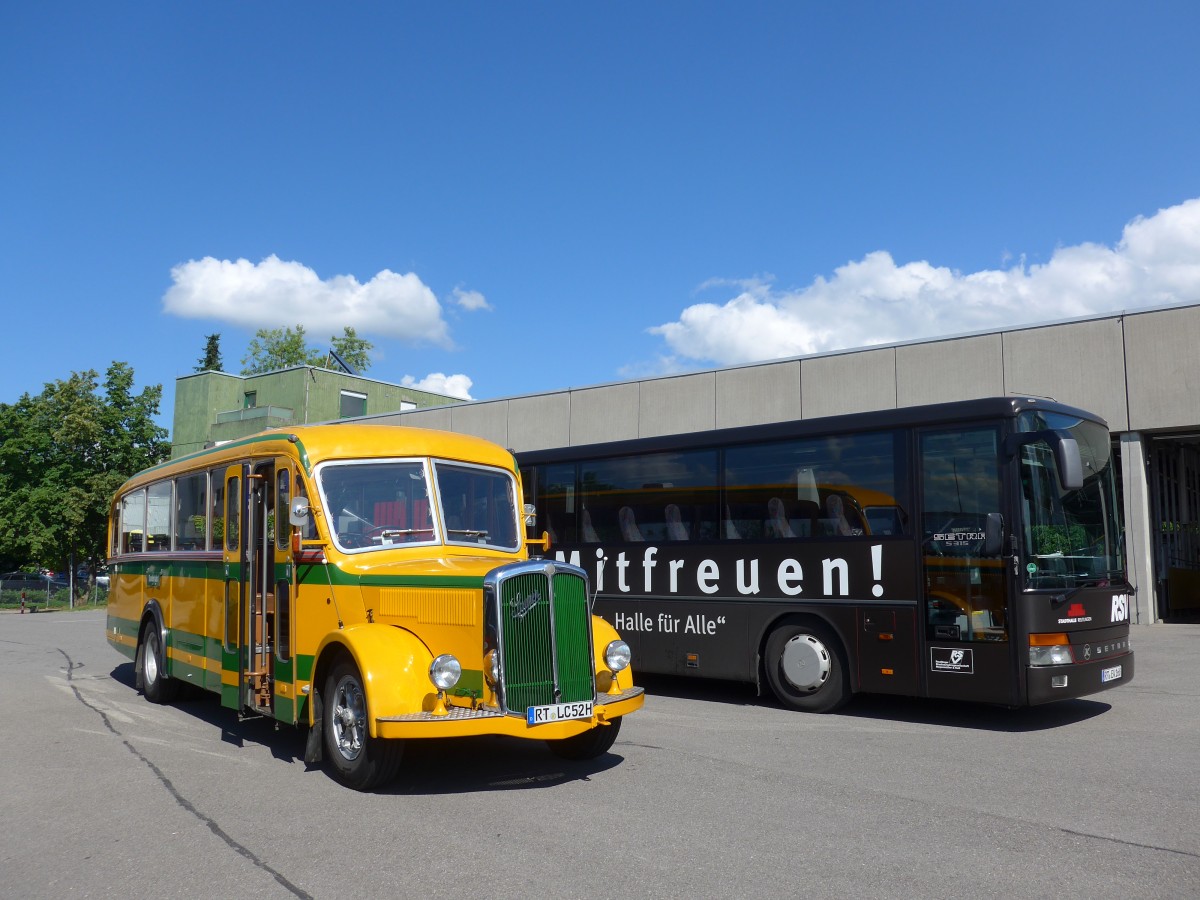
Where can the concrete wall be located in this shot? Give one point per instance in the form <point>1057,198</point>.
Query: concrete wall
<point>1133,369</point>
<point>1163,374</point>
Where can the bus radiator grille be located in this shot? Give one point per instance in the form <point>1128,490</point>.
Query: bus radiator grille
<point>545,637</point>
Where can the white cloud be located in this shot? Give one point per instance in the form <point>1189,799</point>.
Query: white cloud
<point>875,301</point>
<point>471,300</point>
<point>275,293</point>
<point>439,383</point>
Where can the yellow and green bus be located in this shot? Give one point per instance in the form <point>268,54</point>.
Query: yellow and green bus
<point>373,583</point>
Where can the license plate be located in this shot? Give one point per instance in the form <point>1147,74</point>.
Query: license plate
<point>1110,674</point>
<point>558,712</point>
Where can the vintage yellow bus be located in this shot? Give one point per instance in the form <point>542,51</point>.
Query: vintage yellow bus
<point>373,583</point>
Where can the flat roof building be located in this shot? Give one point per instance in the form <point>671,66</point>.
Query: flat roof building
<point>214,407</point>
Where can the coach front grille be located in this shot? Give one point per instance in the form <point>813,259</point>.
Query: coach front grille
<point>539,623</point>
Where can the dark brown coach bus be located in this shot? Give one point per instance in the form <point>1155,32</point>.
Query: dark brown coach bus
<point>967,551</point>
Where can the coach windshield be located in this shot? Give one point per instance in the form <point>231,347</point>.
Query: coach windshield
<point>1071,536</point>
<point>377,504</point>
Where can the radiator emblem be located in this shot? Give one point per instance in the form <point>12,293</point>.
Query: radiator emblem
<point>523,605</point>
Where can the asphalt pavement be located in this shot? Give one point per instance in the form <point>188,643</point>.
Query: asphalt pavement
<point>710,791</point>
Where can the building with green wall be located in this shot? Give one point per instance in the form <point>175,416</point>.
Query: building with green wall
<point>213,407</point>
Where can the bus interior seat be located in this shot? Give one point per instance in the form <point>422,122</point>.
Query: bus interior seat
<point>589,533</point>
<point>777,520</point>
<point>728,529</point>
<point>629,527</point>
<point>835,516</point>
<point>389,513</point>
<point>676,530</point>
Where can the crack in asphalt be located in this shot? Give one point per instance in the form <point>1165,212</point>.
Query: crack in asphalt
<point>186,804</point>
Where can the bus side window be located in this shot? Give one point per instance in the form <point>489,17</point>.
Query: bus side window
<point>191,511</point>
<point>133,522</point>
<point>216,507</point>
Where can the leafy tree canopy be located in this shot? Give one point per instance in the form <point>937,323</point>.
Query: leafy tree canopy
<point>279,348</point>
<point>63,453</point>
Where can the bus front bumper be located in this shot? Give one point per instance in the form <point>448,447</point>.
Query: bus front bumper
<point>460,721</point>
<point>1049,683</point>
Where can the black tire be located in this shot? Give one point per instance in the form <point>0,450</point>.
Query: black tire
<point>352,756</point>
<point>157,685</point>
<point>592,743</point>
<point>806,667</point>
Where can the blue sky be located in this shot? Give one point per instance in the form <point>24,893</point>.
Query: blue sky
<point>514,198</point>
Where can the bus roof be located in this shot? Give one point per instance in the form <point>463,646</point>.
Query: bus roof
<point>313,444</point>
<point>931,414</point>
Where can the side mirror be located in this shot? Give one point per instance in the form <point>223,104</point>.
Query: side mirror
<point>1068,461</point>
<point>530,515</point>
<point>299,511</point>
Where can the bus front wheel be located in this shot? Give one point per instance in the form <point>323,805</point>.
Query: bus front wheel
<point>588,745</point>
<point>354,758</point>
<point>157,686</point>
<point>805,667</point>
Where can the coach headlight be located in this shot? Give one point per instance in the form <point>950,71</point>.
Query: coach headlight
<point>1050,650</point>
<point>491,668</point>
<point>617,656</point>
<point>444,672</point>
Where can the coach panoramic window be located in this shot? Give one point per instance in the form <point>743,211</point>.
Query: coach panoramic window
<point>654,497</point>
<point>841,486</point>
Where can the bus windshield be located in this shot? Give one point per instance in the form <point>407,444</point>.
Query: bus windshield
<point>1070,537</point>
<point>375,504</point>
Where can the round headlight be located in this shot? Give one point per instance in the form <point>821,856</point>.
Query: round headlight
<point>444,672</point>
<point>491,667</point>
<point>617,656</point>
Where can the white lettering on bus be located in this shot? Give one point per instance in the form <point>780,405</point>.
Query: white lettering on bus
<point>742,586</point>
<point>648,564</point>
<point>789,576</point>
<point>676,565</point>
<point>828,567</point>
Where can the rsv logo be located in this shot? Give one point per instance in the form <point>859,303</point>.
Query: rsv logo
<point>1120,607</point>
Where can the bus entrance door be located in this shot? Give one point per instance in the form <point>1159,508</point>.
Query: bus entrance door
<point>968,654</point>
<point>248,561</point>
<point>282,581</point>
<point>258,586</point>
<point>233,554</point>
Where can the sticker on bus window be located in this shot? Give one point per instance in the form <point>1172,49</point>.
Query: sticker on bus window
<point>957,661</point>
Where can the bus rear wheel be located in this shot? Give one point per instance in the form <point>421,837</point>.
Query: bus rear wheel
<point>588,745</point>
<point>157,685</point>
<point>354,758</point>
<point>805,667</point>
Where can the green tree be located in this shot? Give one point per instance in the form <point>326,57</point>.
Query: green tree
<point>355,351</point>
<point>279,348</point>
<point>63,453</point>
<point>211,360</point>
